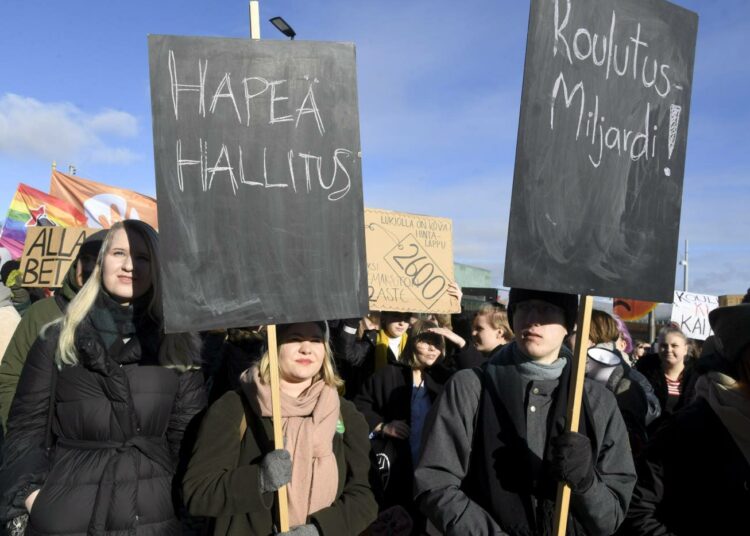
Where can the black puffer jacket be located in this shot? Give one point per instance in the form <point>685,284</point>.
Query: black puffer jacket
<point>119,420</point>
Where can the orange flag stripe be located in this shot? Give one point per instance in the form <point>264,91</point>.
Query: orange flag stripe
<point>629,310</point>
<point>103,204</point>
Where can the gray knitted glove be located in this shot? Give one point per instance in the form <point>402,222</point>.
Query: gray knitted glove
<point>275,470</point>
<point>301,530</point>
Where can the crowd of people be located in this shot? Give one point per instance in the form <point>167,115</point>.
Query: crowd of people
<point>393,424</point>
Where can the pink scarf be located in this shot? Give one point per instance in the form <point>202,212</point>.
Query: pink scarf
<point>309,424</point>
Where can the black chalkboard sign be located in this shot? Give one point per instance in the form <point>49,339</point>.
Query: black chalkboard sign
<point>259,181</point>
<point>601,147</point>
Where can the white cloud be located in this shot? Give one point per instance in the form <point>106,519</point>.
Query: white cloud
<point>61,131</point>
<point>114,122</point>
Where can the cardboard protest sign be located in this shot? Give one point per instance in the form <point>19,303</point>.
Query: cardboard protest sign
<point>690,313</point>
<point>601,148</point>
<point>409,262</point>
<point>259,181</point>
<point>48,253</point>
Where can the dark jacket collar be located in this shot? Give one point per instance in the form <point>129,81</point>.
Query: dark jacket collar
<point>95,354</point>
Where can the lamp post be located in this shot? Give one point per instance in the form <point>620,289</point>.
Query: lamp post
<point>283,26</point>
<point>254,19</point>
<point>684,262</point>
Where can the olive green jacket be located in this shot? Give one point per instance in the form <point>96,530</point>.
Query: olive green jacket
<point>35,317</point>
<point>222,476</point>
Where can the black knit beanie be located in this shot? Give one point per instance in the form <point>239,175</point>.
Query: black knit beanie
<point>567,302</point>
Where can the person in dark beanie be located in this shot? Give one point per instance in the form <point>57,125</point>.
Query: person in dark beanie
<point>695,478</point>
<point>235,471</point>
<point>495,447</point>
<point>41,313</point>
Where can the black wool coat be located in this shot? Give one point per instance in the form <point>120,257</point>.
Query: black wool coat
<point>694,479</point>
<point>650,366</point>
<point>385,397</point>
<point>355,359</point>
<point>118,422</point>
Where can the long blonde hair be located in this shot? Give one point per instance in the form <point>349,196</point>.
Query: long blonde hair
<point>327,371</point>
<point>180,351</point>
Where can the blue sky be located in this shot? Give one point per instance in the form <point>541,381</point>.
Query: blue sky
<point>439,90</point>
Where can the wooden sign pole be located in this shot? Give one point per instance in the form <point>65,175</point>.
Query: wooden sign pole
<point>575,398</point>
<point>278,434</point>
<point>273,350</point>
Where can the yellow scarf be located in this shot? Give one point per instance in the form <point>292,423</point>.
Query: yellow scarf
<point>381,349</point>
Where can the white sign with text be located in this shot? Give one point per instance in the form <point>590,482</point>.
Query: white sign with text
<point>690,313</point>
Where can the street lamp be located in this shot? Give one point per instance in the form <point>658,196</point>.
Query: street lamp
<point>282,26</point>
<point>684,263</point>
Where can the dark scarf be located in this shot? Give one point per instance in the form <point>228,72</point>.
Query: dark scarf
<point>101,338</point>
<point>112,320</point>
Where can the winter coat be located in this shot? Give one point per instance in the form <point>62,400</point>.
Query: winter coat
<point>650,366</point>
<point>9,318</point>
<point>38,315</point>
<point>635,397</point>
<point>355,359</point>
<point>694,480</point>
<point>222,475</point>
<point>633,405</point>
<point>118,421</point>
<point>470,357</point>
<point>471,464</point>
<point>386,397</point>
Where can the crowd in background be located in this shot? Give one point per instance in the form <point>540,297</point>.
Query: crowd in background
<point>395,423</point>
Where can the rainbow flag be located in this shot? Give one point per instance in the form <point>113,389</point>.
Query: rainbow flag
<point>30,208</point>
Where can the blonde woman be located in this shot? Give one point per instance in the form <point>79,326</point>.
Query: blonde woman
<point>104,398</point>
<point>670,372</point>
<point>490,331</point>
<point>235,471</point>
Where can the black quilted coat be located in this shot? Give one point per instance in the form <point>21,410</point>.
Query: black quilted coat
<point>118,422</point>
